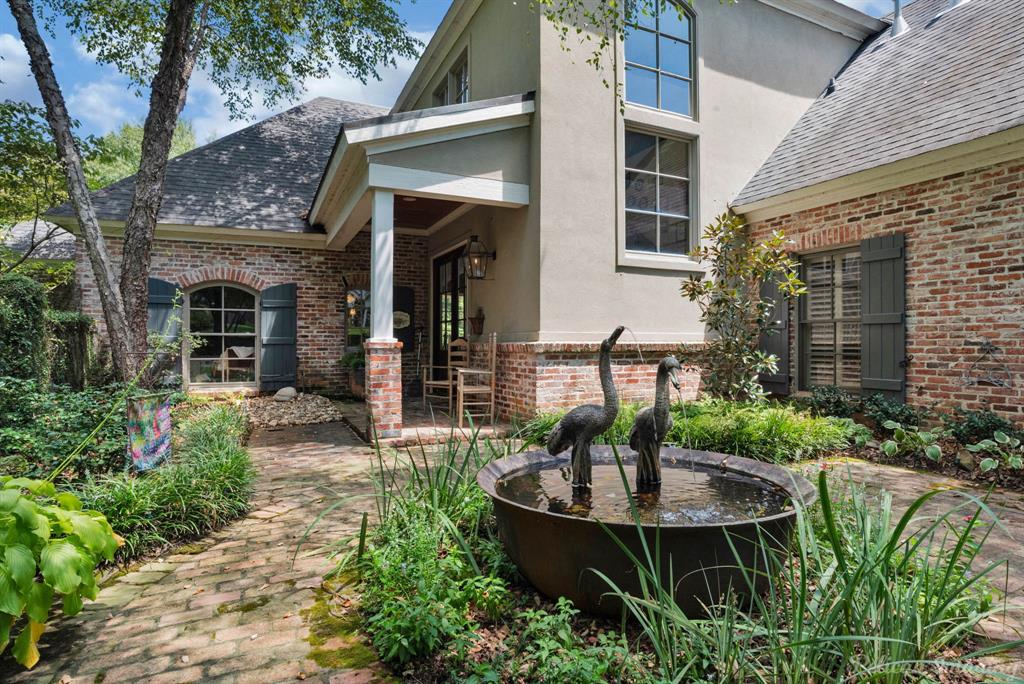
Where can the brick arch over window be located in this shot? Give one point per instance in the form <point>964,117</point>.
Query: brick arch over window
<point>222,274</point>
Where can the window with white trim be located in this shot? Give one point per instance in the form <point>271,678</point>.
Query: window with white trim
<point>659,59</point>
<point>454,86</point>
<point>657,194</point>
<point>222,322</point>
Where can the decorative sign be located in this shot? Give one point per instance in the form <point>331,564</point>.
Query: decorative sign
<point>403,320</point>
<point>988,367</point>
<point>149,430</point>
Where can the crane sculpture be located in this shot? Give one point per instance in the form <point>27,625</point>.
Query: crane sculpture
<point>651,426</point>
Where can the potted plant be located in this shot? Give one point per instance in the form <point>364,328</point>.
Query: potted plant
<point>355,363</point>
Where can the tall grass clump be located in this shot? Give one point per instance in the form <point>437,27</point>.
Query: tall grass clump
<point>867,596</point>
<point>207,482</point>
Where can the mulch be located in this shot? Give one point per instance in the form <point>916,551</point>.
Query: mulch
<point>949,465</point>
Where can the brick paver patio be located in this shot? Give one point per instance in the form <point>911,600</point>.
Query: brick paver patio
<point>235,608</point>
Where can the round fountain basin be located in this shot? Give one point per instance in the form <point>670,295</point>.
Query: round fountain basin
<point>713,513</point>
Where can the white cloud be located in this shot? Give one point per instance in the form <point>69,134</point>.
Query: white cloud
<point>103,104</point>
<point>16,82</point>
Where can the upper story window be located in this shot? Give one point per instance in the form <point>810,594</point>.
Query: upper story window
<point>657,194</point>
<point>454,87</point>
<point>659,59</point>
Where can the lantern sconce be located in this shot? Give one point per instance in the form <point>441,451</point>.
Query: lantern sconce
<point>476,258</point>
<point>476,323</point>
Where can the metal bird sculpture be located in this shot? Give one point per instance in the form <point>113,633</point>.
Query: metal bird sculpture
<point>579,427</point>
<point>651,426</point>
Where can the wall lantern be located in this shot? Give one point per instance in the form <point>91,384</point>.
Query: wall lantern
<point>476,257</point>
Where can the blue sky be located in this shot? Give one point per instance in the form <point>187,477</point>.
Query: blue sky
<point>99,97</point>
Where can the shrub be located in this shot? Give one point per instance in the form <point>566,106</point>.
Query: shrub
<point>50,547</point>
<point>69,347</point>
<point>911,441</point>
<point>206,483</point>
<point>970,427</point>
<point>22,328</point>
<point>1003,451</point>
<point>39,428</point>
<point>829,400</point>
<point>881,409</point>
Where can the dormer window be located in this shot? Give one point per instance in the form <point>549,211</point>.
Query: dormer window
<point>659,59</point>
<point>454,86</point>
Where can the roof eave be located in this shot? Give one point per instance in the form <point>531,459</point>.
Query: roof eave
<point>832,15</point>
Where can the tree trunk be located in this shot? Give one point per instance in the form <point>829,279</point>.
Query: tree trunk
<point>120,335</point>
<point>167,96</point>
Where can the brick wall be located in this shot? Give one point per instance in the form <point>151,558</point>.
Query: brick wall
<point>318,274</point>
<point>964,273</point>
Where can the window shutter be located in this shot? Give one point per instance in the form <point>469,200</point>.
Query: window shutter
<point>777,340</point>
<point>883,316</point>
<point>278,360</point>
<point>161,306</point>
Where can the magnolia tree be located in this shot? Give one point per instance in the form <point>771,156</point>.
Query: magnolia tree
<point>732,305</point>
<point>262,48</point>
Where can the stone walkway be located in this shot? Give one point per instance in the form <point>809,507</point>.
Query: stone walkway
<point>235,608</point>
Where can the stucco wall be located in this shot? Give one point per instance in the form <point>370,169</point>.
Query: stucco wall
<point>503,156</point>
<point>964,278</point>
<point>318,274</point>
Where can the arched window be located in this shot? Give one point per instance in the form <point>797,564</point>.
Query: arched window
<point>222,324</point>
<point>659,59</point>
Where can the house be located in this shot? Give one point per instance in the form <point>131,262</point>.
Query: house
<point>287,237</point>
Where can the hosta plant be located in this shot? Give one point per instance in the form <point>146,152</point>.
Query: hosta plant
<point>1003,450</point>
<point>49,549</point>
<point>909,439</point>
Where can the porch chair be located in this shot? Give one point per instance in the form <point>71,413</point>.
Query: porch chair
<point>475,387</point>
<point>439,381</point>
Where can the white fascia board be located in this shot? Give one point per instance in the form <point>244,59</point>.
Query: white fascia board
<point>200,233</point>
<point>337,157</point>
<point>465,119</point>
<point>475,190</point>
<point>831,15</point>
<point>353,193</point>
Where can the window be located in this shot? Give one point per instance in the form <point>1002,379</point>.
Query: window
<point>357,318</point>
<point>659,60</point>
<point>454,86</point>
<point>222,322</point>
<point>657,194</point>
<point>830,320</point>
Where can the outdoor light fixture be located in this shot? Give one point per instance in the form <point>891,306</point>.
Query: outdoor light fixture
<point>476,257</point>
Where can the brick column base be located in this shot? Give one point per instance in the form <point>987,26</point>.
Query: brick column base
<point>384,388</point>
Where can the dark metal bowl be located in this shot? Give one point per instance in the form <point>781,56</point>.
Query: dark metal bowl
<point>558,553</point>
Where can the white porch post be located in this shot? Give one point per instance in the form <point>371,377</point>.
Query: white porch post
<point>382,265</point>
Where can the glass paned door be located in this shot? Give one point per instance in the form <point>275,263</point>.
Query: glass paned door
<point>449,304</point>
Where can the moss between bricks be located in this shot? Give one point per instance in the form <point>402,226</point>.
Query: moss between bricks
<point>324,626</point>
<point>243,606</point>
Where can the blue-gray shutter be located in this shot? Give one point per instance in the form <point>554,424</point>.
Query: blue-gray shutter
<point>883,316</point>
<point>777,340</point>
<point>161,305</point>
<point>278,360</point>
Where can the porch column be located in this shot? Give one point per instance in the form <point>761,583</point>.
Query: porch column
<point>383,351</point>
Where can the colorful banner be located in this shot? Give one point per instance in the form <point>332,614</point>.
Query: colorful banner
<point>149,430</point>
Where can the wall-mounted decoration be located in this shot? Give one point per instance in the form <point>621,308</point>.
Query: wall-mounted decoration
<point>985,365</point>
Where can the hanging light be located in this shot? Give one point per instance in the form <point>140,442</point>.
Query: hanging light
<point>476,257</point>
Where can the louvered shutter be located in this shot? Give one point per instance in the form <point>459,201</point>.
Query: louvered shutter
<point>777,340</point>
<point>278,325</point>
<point>883,316</point>
<point>161,308</point>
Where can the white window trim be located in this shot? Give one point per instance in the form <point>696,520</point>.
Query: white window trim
<point>449,82</point>
<point>186,355</point>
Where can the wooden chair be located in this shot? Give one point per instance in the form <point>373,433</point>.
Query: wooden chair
<point>439,381</point>
<point>475,386</point>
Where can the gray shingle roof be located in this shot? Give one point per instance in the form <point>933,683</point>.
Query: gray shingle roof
<point>947,80</point>
<point>21,235</point>
<point>261,177</point>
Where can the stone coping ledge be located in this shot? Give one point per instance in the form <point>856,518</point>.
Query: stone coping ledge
<point>592,347</point>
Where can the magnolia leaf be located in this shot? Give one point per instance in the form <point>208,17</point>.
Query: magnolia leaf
<point>21,564</point>
<point>40,599</point>
<point>933,452</point>
<point>25,651</point>
<point>68,501</point>
<point>60,563</point>
<point>72,603</point>
<point>988,464</point>
<point>11,602</point>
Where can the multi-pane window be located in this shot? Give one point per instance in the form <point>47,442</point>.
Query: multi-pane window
<point>222,324</point>
<point>830,320</point>
<point>659,59</point>
<point>454,86</point>
<point>657,194</point>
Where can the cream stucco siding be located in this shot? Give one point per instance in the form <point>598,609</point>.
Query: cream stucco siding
<point>501,156</point>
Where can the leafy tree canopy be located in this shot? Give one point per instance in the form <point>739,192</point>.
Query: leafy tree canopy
<point>118,153</point>
<point>31,177</point>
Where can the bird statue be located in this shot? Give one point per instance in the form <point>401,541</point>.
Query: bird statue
<point>652,424</point>
<point>579,427</point>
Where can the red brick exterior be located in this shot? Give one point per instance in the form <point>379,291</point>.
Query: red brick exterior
<point>384,387</point>
<point>964,276</point>
<point>319,274</point>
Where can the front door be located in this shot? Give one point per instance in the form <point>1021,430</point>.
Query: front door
<point>449,304</point>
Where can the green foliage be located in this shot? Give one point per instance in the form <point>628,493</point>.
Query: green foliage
<point>829,400</point>
<point>970,427</point>
<point>354,359</point>
<point>911,441</point>
<point>49,547</point>
<point>31,176</point>
<point>881,409</point>
<point>206,484</point>
<point>1003,451</point>
<point>118,153</point>
<point>69,346</point>
<point>22,328</point>
<point>732,307</point>
<point>762,430</point>
<point>39,428</point>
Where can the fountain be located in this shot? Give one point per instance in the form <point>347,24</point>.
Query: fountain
<point>712,513</point>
